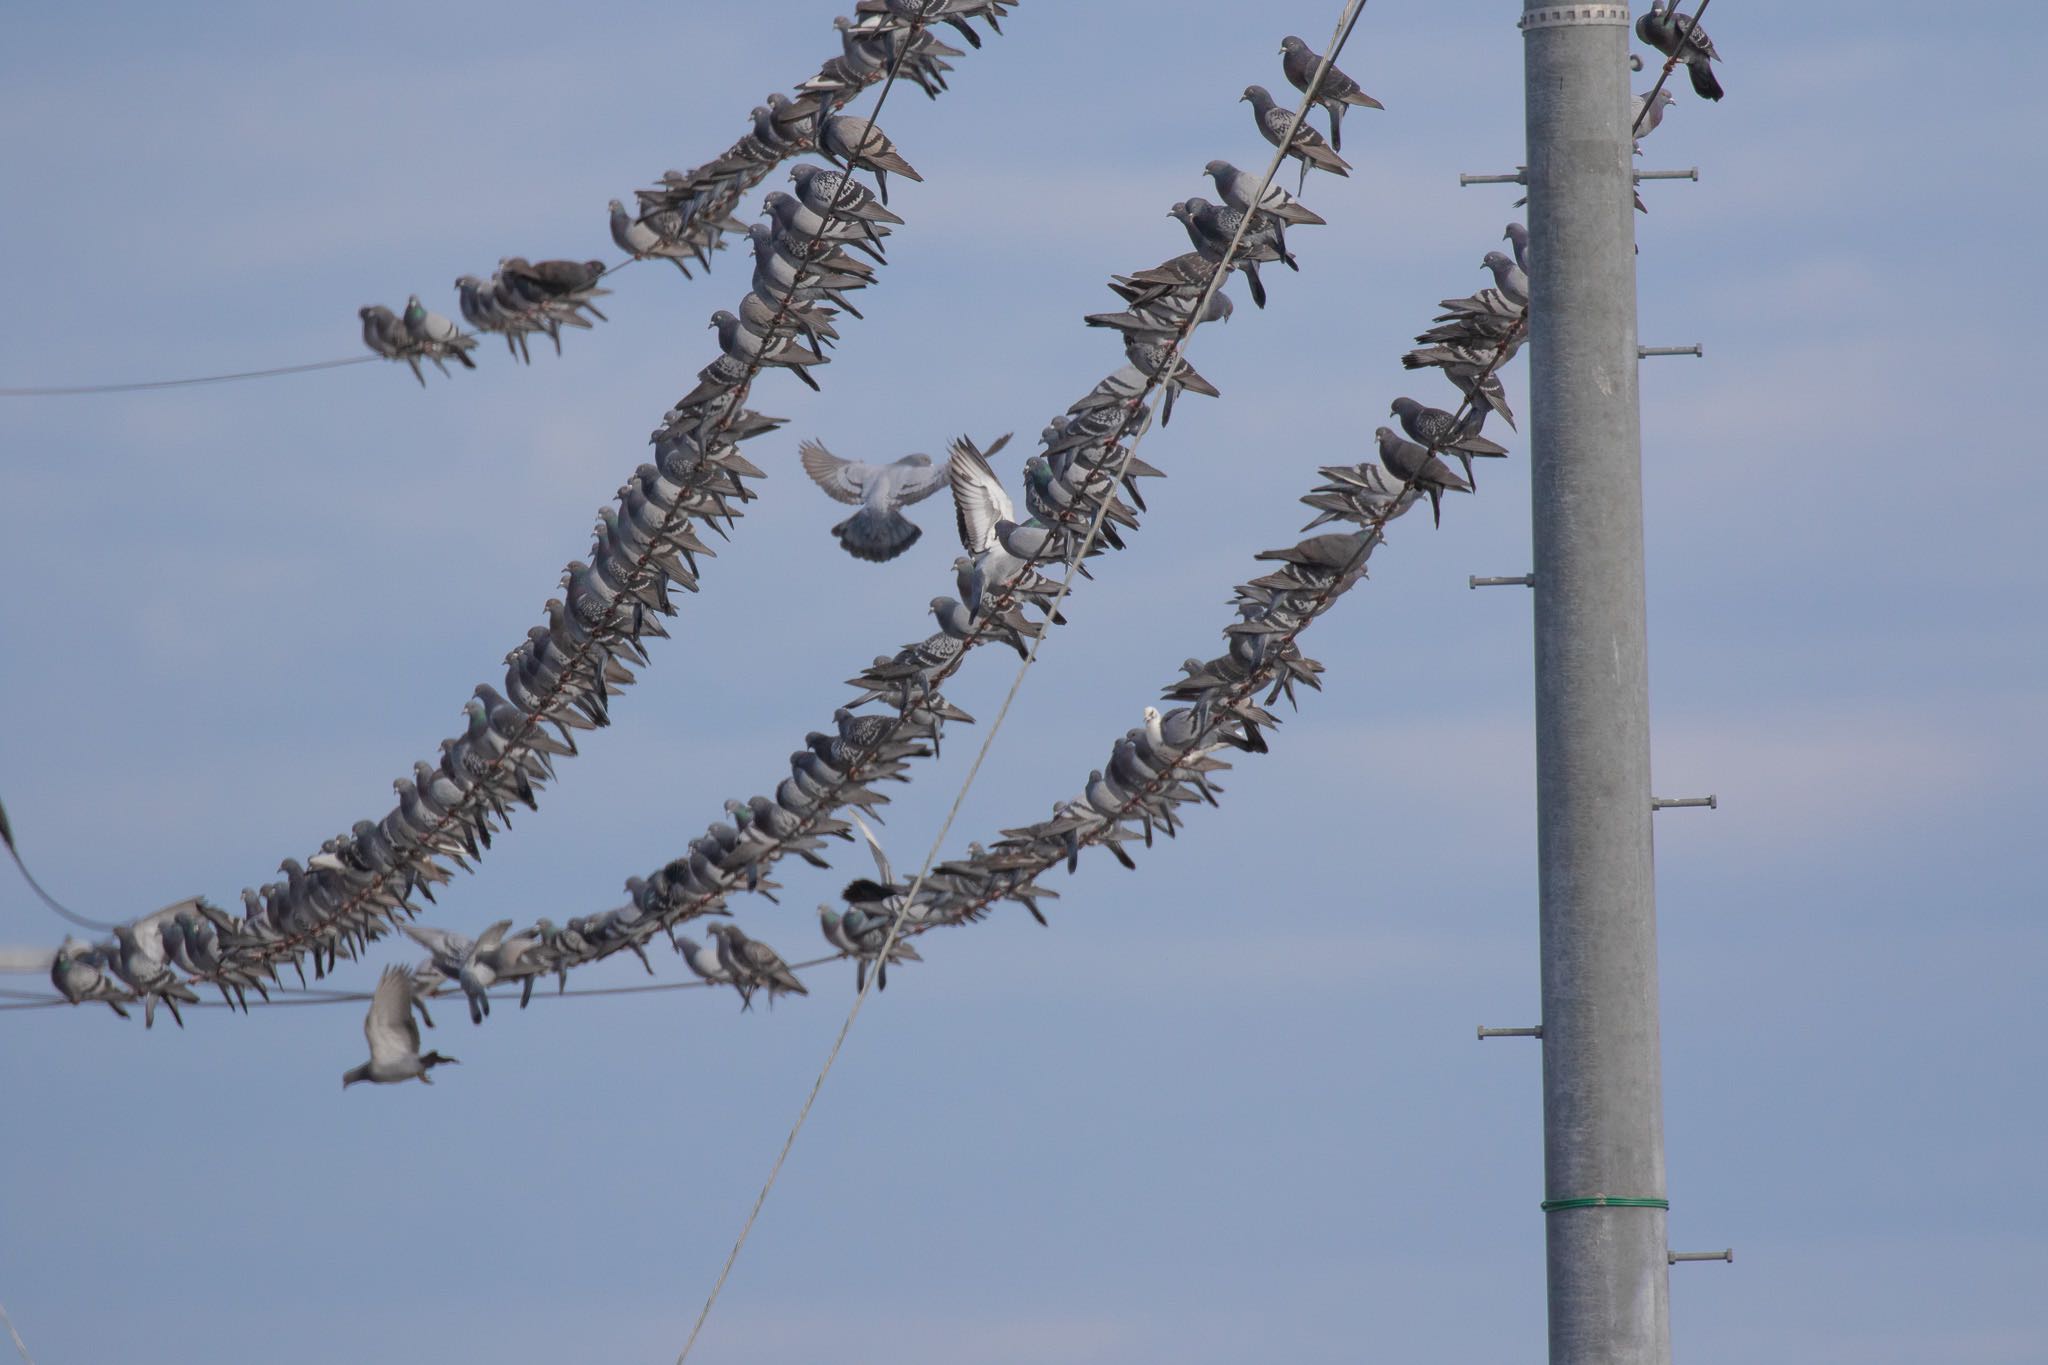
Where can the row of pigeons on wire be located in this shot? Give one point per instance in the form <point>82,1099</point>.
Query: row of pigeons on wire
<point>560,679</point>
<point>688,215</point>
<point>1075,479</point>
<point>1166,764</point>
<point>1153,771</point>
<point>344,895</point>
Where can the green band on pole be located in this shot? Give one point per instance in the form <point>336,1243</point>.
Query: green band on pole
<point>1605,1201</point>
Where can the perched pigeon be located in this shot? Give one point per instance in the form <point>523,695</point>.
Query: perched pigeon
<point>1237,187</point>
<point>1679,38</point>
<point>878,532</point>
<point>642,242</point>
<point>1649,115</point>
<point>1336,91</point>
<point>858,142</point>
<point>1508,277</point>
<point>435,336</point>
<point>1307,147</point>
<point>1413,464</point>
<point>1518,235</point>
<point>394,1036</point>
<point>1438,430</point>
<point>754,965</point>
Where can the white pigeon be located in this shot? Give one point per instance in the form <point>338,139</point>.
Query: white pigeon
<point>878,532</point>
<point>394,1036</point>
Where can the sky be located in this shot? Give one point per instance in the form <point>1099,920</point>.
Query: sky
<point>1227,1108</point>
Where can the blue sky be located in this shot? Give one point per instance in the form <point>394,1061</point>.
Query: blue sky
<point>1229,1108</point>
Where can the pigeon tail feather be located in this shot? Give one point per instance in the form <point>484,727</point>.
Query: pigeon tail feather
<point>877,536</point>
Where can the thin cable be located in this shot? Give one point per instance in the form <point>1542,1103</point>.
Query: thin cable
<point>19,1344</point>
<point>1342,34</point>
<point>7,837</point>
<point>1670,64</point>
<point>287,998</point>
<point>63,390</point>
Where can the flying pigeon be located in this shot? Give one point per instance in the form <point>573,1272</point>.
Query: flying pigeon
<point>878,532</point>
<point>394,1036</point>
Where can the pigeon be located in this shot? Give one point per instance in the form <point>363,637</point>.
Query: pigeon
<point>1212,228</point>
<point>1679,38</point>
<point>394,1036</point>
<point>75,972</point>
<point>642,242</point>
<point>754,965</point>
<point>1438,430</point>
<point>703,960</point>
<point>1336,91</point>
<point>1508,277</point>
<point>1414,464</point>
<point>878,532</point>
<point>1517,234</point>
<point>1237,186</point>
<point>1307,147</point>
<point>858,142</point>
<point>1650,115</point>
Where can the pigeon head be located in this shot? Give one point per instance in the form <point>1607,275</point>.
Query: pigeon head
<point>1255,93</point>
<point>1219,167</point>
<point>721,317</point>
<point>1292,44</point>
<point>1496,261</point>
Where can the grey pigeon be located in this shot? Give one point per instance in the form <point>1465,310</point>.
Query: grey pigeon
<point>1508,277</point>
<point>394,1036</point>
<point>752,348</point>
<point>703,960</point>
<point>643,243</point>
<point>754,965</point>
<point>1336,91</point>
<point>1679,38</point>
<point>878,532</point>
<point>1518,235</point>
<point>1649,115</point>
<point>1212,228</point>
<point>1237,187</point>
<point>1438,430</point>
<point>1413,464</point>
<point>1307,146</point>
<point>858,142</point>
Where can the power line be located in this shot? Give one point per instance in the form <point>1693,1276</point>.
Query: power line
<point>67,390</point>
<point>19,1344</point>
<point>1166,377</point>
<point>287,998</point>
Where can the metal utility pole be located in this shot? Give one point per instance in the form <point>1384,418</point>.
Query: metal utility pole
<point>1603,1111</point>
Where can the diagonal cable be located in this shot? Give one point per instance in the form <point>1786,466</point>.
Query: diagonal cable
<point>1174,363</point>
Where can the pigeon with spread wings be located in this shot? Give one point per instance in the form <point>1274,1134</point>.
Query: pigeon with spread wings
<point>394,1036</point>
<point>879,531</point>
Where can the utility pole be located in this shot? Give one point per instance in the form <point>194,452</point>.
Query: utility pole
<point>1603,1109</point>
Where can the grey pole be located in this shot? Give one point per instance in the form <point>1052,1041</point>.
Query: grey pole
<point>1603,1123</point>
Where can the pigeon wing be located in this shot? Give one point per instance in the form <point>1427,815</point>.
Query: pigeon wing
<point>389,1026</point>
<point>979,501</point>
<point>919,483</point>
<point>875,847</point>
<point>487,942</point>
<point>843,480</point>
